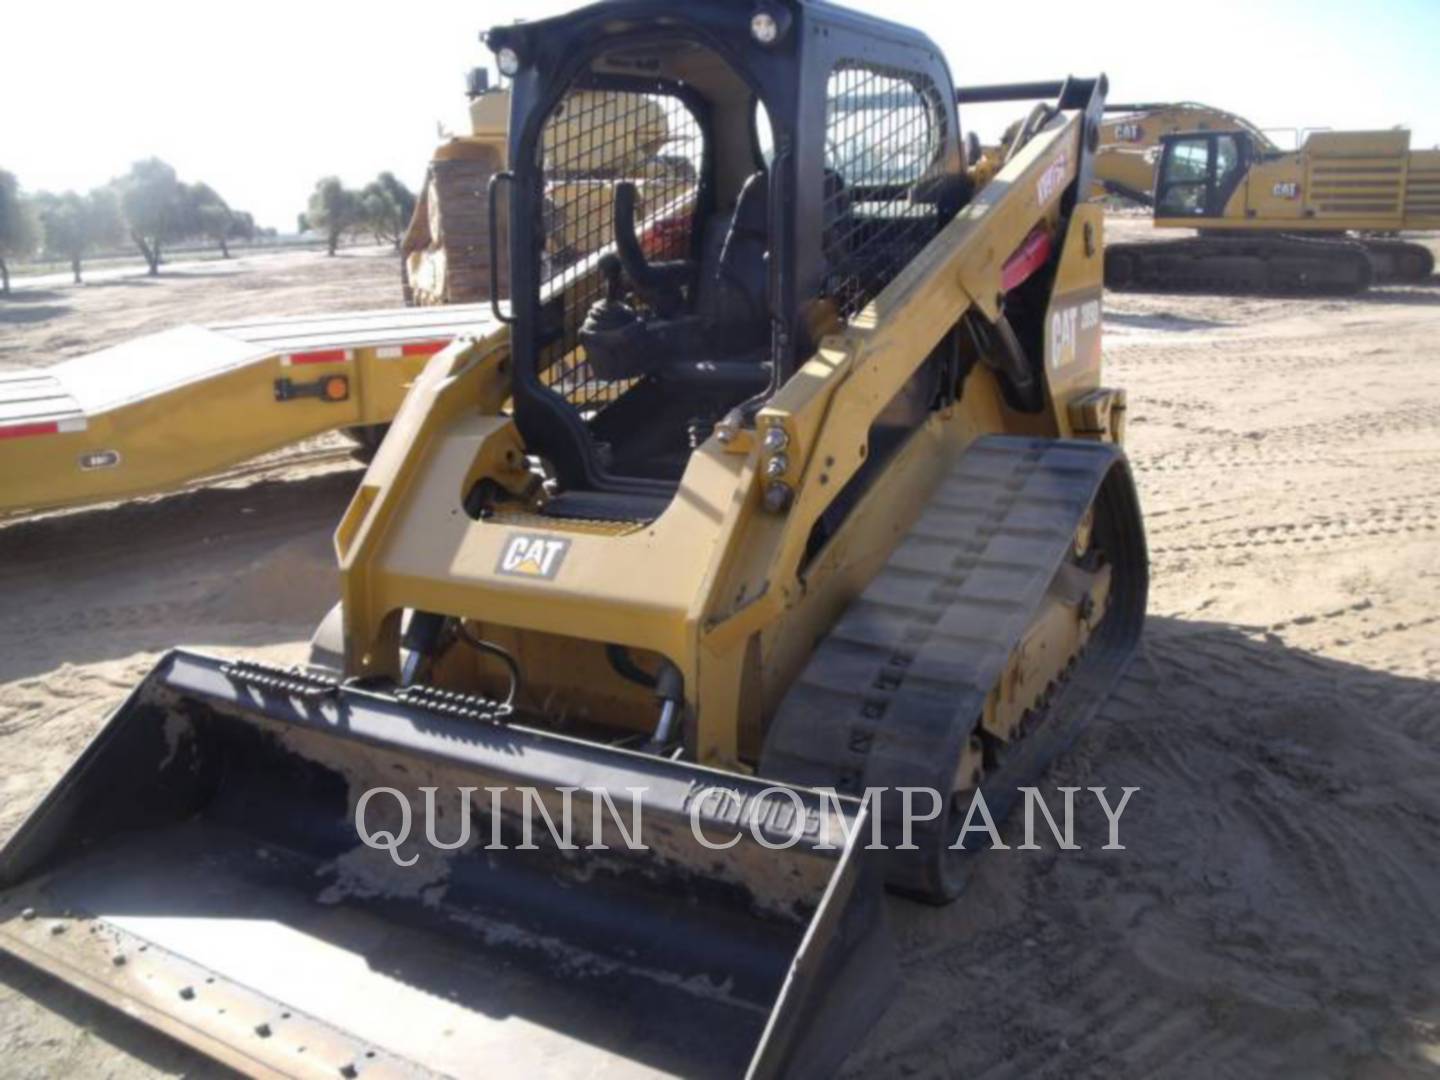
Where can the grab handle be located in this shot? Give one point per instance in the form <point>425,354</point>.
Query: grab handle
<point>491,193</point>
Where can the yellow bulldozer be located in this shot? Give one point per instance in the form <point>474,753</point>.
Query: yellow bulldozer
<point>788,548</point>
<point>446,248</point>
<point>1323,218</point>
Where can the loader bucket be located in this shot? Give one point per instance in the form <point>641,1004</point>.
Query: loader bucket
<point>201,868</point>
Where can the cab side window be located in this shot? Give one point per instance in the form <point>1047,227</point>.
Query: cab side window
<point>1189,161</point>
<point>1185,182</point>
<point>1227,159</point>
<point>884,131</point>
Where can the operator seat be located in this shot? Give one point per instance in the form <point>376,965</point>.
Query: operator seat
<point>736,292</point>
<point>719,334</point>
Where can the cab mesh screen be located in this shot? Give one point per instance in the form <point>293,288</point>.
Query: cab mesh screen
<point>592,140</point>
<point>882,136</point>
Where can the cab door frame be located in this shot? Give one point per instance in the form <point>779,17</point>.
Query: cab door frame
<point>1218,189</point>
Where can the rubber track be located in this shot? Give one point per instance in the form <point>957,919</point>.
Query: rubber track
<point>892,695</point>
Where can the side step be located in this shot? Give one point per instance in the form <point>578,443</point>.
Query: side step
<point>200,867</point>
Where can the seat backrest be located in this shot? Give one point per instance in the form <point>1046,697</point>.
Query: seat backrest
<point>742,270</point>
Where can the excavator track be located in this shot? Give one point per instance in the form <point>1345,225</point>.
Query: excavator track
<point>894,695</point>
<point>1399,260</point>
<point>1262,263</point>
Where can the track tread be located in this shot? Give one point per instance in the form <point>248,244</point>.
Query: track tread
<point>892,695</point>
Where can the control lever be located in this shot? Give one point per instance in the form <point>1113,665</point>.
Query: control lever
<point>658,284</point>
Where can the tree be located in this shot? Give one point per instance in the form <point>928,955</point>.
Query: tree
<point>74,225</point>
<point>210,216</point>
<point>389,205</point>
<point>19,229</point>
<point>157,208</point>
<point>334,209</point>
<point>242,226</point>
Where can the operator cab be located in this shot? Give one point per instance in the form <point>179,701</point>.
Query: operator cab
<point>1199,172</point>
<point>696,199</point>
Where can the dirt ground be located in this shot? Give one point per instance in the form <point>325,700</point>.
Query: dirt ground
<point>1275,911</point>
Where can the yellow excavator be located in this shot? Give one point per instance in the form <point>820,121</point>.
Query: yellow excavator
<point>1324,218</point>
<point>1130,143</point>
<point>714,591</point>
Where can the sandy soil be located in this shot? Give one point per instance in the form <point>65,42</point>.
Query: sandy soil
<point>1275,909</point>
<point>42,325</point>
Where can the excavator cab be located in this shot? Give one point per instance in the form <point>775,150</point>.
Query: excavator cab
<point>1200,171</point>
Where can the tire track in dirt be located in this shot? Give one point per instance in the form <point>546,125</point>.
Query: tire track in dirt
<point>171,530</point>
<point>1288,447</point>
<point>1395,509</point>
<point>1323,534</point>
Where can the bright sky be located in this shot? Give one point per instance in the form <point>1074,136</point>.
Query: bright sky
<point>262,99</point>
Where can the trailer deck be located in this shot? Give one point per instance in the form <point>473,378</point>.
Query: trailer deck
<point>168,408</point>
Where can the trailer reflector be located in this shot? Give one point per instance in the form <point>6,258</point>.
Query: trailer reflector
<point>317,356</point>
<point>43,427</point>
<point>21,431</point>
<point>414,348</point>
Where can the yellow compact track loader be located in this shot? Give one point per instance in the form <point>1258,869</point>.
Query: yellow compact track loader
<point>735,556</point>
<point>1320,219</point>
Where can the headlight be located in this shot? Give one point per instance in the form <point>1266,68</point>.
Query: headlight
<point>508,60</point>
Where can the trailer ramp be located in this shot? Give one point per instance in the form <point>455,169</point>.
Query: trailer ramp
<point>170,408</point>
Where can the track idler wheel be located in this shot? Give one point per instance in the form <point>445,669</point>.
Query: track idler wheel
<point>941,873</point>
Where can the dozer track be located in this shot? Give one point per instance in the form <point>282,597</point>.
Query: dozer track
<point>894,695</point>
<point>459,189</point>
<point>1273,264</point>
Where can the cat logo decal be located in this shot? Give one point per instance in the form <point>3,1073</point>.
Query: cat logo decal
<point>530,556</point>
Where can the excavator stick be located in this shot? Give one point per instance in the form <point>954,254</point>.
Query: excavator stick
<point>202,867</point>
